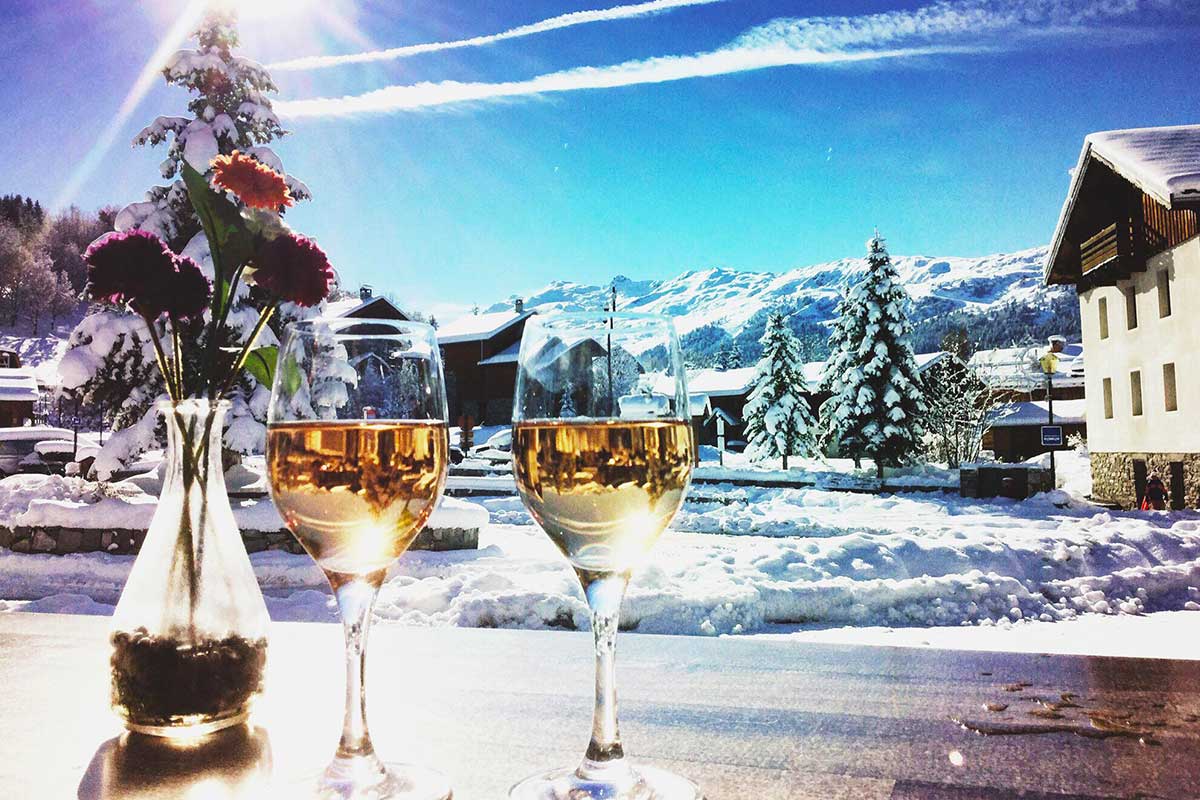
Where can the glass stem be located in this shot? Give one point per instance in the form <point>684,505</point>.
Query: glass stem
<point>604,594</point>
<point>355,599</point>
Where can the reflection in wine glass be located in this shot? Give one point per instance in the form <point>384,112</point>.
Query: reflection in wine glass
<point>357,453</point>
<point>602,455</point>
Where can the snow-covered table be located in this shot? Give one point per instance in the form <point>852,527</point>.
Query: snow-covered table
<point>747,718</point>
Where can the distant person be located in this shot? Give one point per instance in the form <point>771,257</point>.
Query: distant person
<point>1156,494</point>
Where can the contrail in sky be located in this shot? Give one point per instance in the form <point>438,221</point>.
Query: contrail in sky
<point>967,26</point>
<point>551,24</point>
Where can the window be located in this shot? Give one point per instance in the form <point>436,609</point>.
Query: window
<point>1130,308</point>
<point>1108,406</point>
<point>1164,293</point>
<point>1135,392</point>
<point>1103,307</point>
<point>1169,396</point>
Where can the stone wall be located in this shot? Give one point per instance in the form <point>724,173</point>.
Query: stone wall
<point>970,484</point>
<point>1112,476</point>
<point>61,541</point>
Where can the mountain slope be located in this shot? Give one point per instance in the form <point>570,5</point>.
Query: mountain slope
<point>730,298</point>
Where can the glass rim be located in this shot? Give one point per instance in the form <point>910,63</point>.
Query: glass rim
<point>307,327</point>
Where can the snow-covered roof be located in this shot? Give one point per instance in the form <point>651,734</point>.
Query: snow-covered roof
<point>721,382</point>
<point>479,327</point>
<point>354,307</point>
<point>1162,162</point>
<point>18,385</point>
<point>1019,367</point>
<point>506,356</point>
<point>699,405</point>
<point>1036,412</point>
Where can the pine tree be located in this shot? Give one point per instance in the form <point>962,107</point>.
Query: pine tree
<point>229,111</point>
<point>875,407</point>
<point>729,356</point>
<point>779,422</point>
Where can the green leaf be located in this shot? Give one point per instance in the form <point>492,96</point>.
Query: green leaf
<point>261,363</point>
<point>292,376</point>
<point>230,243</point>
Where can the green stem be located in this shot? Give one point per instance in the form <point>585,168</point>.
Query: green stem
<point>161,357</point>
<point>263,318</point>
<point>177,345</point>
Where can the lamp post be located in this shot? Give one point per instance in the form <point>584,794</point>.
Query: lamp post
<point>1049,364</point>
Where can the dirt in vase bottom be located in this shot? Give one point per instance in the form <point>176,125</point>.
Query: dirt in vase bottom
<point>166,681</point>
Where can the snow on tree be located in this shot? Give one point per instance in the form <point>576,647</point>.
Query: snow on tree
<point>566,408</point>
<point>961,405</point>
<point>779,422</point>
<point>729,356</point>
<point>876,403</point>
<point>229,111</point>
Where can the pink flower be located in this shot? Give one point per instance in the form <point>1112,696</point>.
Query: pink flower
<point>293,269</point>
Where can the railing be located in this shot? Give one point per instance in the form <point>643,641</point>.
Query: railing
<point>1113,241</point>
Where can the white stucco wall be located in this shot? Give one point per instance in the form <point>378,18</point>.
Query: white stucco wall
<point>1154,342</point>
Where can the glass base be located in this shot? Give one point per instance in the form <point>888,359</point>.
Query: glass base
<point>638,783</point>
<point>189,727</point>
<point>371,779</point>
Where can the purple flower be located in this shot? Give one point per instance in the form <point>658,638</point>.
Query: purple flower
<point>130,267</point>
<point>192,290</point>
<point>293,269</point>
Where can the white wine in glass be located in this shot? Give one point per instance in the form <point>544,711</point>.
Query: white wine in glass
<point>602,455</point>
<point>357,455</point>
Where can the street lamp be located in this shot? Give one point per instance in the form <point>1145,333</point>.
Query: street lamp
<point>1049,364</point>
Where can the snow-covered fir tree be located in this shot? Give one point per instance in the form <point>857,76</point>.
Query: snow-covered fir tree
<point>779,422</point>
<point>875,407</point>
<point>229,110</point>
<point>729,356</point>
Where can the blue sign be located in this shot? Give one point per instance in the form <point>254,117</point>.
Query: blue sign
<point>1052,436</point>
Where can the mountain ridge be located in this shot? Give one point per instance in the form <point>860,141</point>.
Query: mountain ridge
<point>730,298</point>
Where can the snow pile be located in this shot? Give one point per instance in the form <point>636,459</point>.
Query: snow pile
<point>803,557</point>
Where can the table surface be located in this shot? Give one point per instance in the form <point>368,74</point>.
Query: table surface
<point>745,718</point>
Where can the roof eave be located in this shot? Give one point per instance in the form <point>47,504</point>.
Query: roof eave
<point>1060,230</point>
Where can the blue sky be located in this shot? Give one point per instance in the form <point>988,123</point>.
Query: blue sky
<point>950,127</point>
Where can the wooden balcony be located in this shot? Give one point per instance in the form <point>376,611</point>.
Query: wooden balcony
<point>1113,254</point>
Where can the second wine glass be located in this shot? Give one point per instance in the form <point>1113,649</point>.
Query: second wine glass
<point>602,455</point>
<point>357,452</point>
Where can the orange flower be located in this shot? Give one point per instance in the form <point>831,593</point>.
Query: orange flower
<point>255,183</point>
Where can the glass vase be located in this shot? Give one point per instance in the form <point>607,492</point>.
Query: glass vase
<point>189,632</point>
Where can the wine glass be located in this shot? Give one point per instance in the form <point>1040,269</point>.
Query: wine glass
<point>602,454</point>
<point>357,453</point>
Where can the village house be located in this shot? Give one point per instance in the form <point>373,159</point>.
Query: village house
<point>19,391</point>
<point>367,306</point>
<point>479,353</point>
<point>1127,240</point>
<point>1018,384</point>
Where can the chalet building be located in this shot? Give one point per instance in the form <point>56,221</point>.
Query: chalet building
<point>367,306</point>
<point>1015,374</point>
<point>479,352</point>
<point>1127,240</point>
<point>18,395</point>
<point>1017,380</point>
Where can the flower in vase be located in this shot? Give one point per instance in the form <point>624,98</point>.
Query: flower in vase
<point>134,267</point>
<point>255,184</point>
<point>192,290</point>
<point>293,269</point>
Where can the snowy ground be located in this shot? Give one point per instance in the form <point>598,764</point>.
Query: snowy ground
<point>800,562</point>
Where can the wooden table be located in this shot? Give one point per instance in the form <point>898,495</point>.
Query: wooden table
<point>745,718</point>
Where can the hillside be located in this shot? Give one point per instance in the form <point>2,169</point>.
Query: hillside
<point>964,292</point>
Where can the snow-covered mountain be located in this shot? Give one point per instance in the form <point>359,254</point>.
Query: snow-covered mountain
<point>729,298</point>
